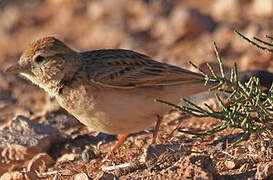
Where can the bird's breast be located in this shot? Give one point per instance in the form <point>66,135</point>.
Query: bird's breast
<point>79,100</point>
<point>109,110</point>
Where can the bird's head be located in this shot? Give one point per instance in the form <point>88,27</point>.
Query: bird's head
<point>46,62</point>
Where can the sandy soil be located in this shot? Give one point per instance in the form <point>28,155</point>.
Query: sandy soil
<point>169,31</point>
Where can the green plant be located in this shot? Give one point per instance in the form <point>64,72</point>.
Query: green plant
<point>264,48</point>
<point>247,106</point>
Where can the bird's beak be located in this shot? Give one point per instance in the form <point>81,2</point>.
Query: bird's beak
<point>14,69</point>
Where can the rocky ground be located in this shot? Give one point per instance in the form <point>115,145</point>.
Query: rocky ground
<point>40,140</point>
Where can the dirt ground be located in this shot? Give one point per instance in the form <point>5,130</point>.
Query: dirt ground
<point>172,31</point>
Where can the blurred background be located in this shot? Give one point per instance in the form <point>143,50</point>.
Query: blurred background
<point>173,31</point>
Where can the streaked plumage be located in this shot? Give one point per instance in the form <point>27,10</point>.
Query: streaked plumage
<point>127,69</point>
<point>111,91</point>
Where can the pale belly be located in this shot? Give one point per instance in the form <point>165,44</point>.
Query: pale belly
<point>117,111</point>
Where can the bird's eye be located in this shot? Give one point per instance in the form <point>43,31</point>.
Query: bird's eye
<point>39,59</point>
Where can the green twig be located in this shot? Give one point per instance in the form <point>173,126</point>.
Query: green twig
<point>247,107</point>
<point>255,44</point>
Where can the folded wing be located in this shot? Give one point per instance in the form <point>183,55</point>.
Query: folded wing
<point>127,69</point>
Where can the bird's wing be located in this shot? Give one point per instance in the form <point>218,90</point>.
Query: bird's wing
<point>128,69</point>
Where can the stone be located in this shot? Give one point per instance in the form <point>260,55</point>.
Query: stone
<point>81,176</point>
<point>14,175</point>
<point>230,164</point>
<point>68,157</point>
<point>41,159</point>
<point>21,139</point>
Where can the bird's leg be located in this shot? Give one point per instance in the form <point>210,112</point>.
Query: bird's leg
<point>120,141</point>
<point>123,137</point>
<point>159,119</point>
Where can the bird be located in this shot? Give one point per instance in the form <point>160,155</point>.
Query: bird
<point>109,90</point>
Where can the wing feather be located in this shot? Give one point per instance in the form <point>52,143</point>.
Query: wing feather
<point>127,69</point>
